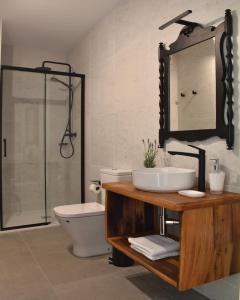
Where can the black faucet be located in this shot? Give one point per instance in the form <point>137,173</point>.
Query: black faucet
<point>201,164</point>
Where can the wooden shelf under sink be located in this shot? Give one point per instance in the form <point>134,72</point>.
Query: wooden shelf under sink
<point>166,269</point>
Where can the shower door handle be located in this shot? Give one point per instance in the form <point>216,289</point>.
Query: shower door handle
<point>5,147</point>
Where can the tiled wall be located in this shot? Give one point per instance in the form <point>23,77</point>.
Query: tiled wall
<point>120,58</point>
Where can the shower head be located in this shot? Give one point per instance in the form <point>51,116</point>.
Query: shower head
<point>60,81</point>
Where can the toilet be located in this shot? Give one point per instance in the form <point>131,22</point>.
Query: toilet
<point>84,222</point>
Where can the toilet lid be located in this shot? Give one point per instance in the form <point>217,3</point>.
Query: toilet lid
<point>80,210</point>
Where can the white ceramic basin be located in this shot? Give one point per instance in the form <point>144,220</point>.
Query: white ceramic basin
<point>168,179</point>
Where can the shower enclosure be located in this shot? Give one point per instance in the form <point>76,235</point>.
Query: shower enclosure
<point>42,124</point>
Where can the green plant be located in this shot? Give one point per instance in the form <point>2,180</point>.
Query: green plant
<point>150,153</point>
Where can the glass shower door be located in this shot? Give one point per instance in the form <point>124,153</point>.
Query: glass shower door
<point>23,149</point>
<point>63,176</point>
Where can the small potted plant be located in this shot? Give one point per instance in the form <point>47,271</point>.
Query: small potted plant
<point>150,153</point>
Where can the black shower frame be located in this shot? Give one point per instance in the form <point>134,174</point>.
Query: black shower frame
<point>45,71</point>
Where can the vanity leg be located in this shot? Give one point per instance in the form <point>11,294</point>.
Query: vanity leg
<point>206,247</point>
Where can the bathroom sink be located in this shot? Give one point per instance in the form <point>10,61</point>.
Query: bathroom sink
<point>167,179</point>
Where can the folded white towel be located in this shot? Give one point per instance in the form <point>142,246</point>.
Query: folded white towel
<point>155,257</point>
<point>154,245</point>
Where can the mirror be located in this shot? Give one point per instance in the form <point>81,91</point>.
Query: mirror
<point>196,84</point>
<point>193,87</point>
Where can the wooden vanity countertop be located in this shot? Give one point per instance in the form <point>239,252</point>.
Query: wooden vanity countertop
<point>172,201</point>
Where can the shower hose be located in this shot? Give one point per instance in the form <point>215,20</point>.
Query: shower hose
<point>67,133</point>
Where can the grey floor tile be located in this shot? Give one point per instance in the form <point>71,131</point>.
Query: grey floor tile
<point>105,287</point>
<point>157,289</point>
<point>22,278</point>
<point>37,265</point>
<point>133,270</point>
<point>28,294</point>
<point>11,245</point>
<point>46,240</point>
<point>63,267</point>
<point>43,294</point>
<point>21,275</point>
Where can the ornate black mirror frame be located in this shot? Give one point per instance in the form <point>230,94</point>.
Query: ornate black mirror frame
<point>190,35</point>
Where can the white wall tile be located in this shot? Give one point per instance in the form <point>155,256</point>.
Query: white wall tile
<point>120,59</point>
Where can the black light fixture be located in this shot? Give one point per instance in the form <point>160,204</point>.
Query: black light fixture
<point>188,26</point>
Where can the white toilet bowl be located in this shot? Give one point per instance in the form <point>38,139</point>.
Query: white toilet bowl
<point>85,222</point>
<point>85,225</point>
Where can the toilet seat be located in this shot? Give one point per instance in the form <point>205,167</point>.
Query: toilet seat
<point>79,210</point>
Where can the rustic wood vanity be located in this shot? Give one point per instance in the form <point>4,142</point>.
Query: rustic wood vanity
<point>209,232</point>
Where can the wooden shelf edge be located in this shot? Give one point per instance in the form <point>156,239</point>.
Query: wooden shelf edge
<point>166,269</point>
<point>172,201</point>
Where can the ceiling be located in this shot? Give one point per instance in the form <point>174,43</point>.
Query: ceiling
<point>50,24</point>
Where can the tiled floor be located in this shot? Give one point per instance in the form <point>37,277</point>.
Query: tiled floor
<point>37,265</point>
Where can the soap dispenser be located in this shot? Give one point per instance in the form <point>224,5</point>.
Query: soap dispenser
<point>216,178</point>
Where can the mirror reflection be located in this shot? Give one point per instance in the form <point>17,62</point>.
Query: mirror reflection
<point>193,87</point>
